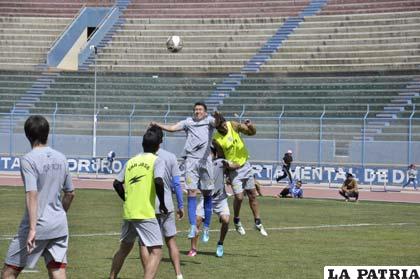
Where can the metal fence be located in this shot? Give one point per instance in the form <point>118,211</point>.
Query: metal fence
<point>320,140</point>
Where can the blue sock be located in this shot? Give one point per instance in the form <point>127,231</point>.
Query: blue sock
<point>207,211</point>
<point>192,207</point>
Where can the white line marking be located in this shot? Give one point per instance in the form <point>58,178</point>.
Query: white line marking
<point>9,237</point>
<point>30,271</point>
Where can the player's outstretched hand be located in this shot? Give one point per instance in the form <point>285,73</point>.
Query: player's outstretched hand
<point>180,213</point>
<point>163,209</point>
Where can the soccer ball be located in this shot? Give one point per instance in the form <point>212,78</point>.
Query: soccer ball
<point>174,43</point>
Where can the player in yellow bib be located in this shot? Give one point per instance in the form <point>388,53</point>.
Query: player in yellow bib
<point>227,141</point>
<point>142,177</point>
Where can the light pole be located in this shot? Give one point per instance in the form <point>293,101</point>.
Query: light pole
<point>92,47</point>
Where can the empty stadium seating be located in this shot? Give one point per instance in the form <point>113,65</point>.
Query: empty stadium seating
<point>210,45</point>
<point>344,43</point>
<point>117,94</point>
<point>13,85</point>
<point>25,41</point>
<point>347,7</point>
<point>353,53</point>
<point>47,8</point>
<point>214,9</point>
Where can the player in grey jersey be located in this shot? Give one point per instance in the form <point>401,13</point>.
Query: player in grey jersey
<point>43,230</point>
<point>220,207</point>
<point>198,163</point>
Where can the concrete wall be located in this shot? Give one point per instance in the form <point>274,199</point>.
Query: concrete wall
<point>261,150</point>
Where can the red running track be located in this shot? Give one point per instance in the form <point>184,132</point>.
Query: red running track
<point>310,190</point>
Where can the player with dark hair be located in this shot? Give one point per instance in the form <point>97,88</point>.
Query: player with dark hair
<point>287,162</point>
<point>137,185</point>
<point>229,144</point>
<point>349,188</point>
<point>412,176</point>
<point>110,158</point>
<point>220,207</point>
<point>43,230</point>
<point>198,163</point>
<point>294,191</point>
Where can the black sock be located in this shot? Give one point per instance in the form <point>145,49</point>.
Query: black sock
<point>257,221</point>
<point>220,243</point>
<point>236,220</point>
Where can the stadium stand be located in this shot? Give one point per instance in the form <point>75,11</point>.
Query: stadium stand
<point>214,9</point>
<point>222,45</point>
<point>335,7</point>
<point>360,42</point>
<point>351,54</point>
<point>47,8</point>
<point>24,41</point>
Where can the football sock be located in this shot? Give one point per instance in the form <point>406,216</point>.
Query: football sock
<point>192,207</point>
<point>207,211</point>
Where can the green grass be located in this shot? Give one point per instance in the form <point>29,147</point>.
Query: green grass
<point>298,252</point>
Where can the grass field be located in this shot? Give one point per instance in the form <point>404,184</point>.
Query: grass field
<point>304,236</point>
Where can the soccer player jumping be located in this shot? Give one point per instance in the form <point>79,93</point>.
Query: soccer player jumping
<point>228,142</point>
<point>198,163</point>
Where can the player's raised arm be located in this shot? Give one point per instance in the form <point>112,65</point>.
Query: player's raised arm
<point>168,128</point>
<point>246,128</point>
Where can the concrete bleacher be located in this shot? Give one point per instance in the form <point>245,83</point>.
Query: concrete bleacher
<point>222,45</point>
<point>344,97</point>
<point>13,85</point>
<point>24,41</point>
<point>116,94</point>
<point>361,42</point>
<point>47,8</point>
<point>214,9</point>
<point>335,7</point>
<point>366,38</point>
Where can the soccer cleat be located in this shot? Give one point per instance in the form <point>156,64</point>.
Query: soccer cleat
<point>239,228</point>
<point>261,229</point>
<point>219,251</point>
<point>193,232</point>
<point>192,253</point>
<point>206,235</point>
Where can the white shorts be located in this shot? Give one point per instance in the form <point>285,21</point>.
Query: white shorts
<point>242,178</point>
<point>51,249</point>
<point>167,224</point>
<point>148,232</point>
<point>199,174</point>
<point>220,207</point>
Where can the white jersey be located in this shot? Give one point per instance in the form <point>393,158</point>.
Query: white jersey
<point>219,192</point>
<point>412,173</point>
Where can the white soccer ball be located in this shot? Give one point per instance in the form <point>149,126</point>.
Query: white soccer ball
<point>174,43</point>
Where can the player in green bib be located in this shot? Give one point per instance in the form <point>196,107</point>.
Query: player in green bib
<point>227,141</point>
<point>137,185</point>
